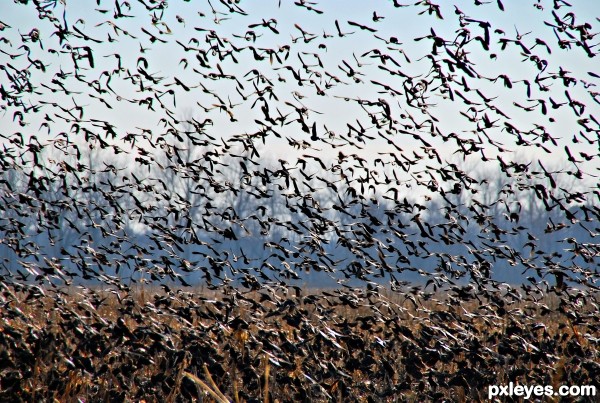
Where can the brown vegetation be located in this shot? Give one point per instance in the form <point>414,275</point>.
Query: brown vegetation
<point>153,345</point>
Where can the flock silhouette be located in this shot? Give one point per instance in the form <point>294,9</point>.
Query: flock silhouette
<point>143,250</point>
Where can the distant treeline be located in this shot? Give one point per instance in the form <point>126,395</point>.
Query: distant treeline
<point>106,222</point>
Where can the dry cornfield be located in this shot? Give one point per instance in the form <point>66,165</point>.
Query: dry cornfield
<point>281,346</point>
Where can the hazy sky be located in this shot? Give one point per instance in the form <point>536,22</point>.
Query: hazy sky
<point>182,21</point>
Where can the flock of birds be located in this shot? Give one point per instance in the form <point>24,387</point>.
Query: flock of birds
<point>109,198</point>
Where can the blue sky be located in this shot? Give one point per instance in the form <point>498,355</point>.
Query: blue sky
<point>181,20</point>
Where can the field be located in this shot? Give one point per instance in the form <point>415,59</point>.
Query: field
<point>284,345</point>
